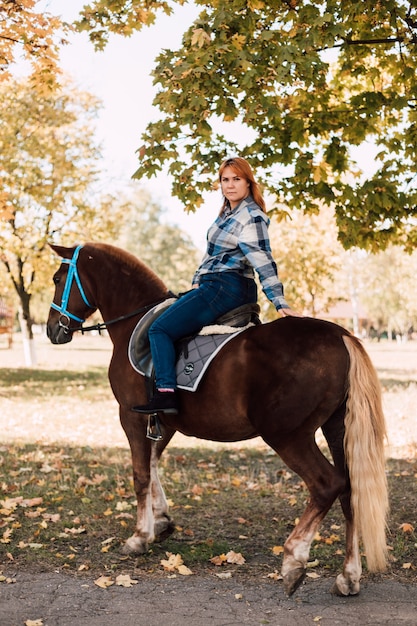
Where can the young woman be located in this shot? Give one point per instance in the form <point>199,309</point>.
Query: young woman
<point>237,244</point>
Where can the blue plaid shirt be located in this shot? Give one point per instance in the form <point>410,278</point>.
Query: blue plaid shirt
<point>238,241</point>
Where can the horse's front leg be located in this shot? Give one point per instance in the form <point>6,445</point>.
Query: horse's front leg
<point>153,520</point>
<point>163,524</point>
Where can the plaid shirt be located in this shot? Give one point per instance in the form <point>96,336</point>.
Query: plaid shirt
<point>238,241</point>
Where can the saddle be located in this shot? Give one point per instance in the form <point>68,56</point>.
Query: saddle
<point>194,352</point>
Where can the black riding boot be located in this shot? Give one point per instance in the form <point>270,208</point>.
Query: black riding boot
<point>162,401</point>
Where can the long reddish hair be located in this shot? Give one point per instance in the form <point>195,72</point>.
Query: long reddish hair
<point>242,168</point>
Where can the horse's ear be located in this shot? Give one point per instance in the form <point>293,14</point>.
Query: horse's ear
<point>62,251</point>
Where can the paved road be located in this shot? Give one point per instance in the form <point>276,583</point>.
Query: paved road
<point>62,600</point>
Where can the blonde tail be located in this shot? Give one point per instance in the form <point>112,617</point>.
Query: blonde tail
<point>364,449</point>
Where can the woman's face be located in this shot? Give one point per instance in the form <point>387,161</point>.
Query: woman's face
<point>234,187</point>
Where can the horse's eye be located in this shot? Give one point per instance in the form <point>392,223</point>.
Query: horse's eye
<point>56,280</point>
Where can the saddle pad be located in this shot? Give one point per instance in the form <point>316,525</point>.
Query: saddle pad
<point>194,358</point>
<point>197,355</point>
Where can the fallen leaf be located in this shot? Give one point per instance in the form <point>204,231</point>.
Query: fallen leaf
<point>274,575</point>
<point>124,580</point>
<point>184,570</point>
<point>407,566</point>
<point>34,622</point>
<point>173,562</point>
<point>235,557</point>
<point>313,575</point>
<point>218,560</point>
<point>407,528</point>
<point>238,596</point>
<point>278,549</point>
<point>224,575</point>
<point>104,582</point>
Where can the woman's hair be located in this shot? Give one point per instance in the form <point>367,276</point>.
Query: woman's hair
<point>242,168</point>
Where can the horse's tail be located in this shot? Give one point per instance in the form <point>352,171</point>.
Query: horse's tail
<point>364,449</point>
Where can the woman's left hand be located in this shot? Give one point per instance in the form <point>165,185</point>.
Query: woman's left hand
<point>289,313</point>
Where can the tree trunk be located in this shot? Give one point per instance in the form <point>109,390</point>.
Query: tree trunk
<point>25,321</point>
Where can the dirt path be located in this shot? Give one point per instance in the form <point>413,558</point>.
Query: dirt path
<point>59,600</point>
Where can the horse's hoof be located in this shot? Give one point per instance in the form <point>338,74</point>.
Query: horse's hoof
<point>135,545</point>
<point>293,579</point>
<point>345,587</point>
<point>163,529</point>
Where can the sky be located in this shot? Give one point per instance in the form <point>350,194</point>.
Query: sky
<point>120,77</point>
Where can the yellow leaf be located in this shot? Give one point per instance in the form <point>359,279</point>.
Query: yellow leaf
<point>200,37</point>
<point>407,528</point>
<point>124,580</point>
<point>184,570</point>
<point>104,582</point>
<point>6,535</point>
<point>274,575</point>
<point>235,557</point>
<point>313,575</point>
<point>278,549</point>
<point>407,566</point>
<point>238,41</point>
<point>218,560</point>
<point>238,596</point>
<point>173,562</point>
<point>34,622</point>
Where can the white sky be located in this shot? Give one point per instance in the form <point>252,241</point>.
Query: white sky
<point>120,77</point>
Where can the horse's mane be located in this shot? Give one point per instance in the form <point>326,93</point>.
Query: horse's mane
<point>129,261</point>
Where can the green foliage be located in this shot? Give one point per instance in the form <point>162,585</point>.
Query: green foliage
<point>167,250</point>
<point>293,86</point>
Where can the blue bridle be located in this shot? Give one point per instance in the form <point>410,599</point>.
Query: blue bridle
<point>71,276</point>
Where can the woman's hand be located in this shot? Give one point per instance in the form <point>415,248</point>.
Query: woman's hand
<point>289,313</point>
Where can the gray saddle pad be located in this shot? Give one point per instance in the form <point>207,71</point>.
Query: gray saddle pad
<point>195,355</point>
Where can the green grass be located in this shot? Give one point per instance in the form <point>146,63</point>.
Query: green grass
<point>69,508</point>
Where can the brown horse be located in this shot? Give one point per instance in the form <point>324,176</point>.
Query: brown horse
<point>281,380</point>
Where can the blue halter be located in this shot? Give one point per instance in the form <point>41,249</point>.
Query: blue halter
<point>71,276</point>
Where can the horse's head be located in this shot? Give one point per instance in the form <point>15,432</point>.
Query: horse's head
<point>71,303</point>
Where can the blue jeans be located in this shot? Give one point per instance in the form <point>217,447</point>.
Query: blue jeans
<point>216,295</point>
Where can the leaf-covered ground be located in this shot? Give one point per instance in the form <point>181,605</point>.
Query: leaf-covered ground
<point>67,502</point>
<point>64,508</point>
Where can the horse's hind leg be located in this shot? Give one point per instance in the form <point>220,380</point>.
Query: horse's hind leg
<point>348,582</point>
<point>324,483</point>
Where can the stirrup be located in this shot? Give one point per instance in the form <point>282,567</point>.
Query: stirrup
<point>153,429</point>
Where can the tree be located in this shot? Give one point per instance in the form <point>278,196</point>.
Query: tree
<point>48,166</point>
<point>266,67</point>
<point>309,259</point>
<point>31,35</point>
<point>388,290</point>
<point>167,250</point>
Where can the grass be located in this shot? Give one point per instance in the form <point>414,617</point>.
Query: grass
<point>66,508</point>
<point>66,494</point>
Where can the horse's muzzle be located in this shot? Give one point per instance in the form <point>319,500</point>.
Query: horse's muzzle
<point>58,334</point>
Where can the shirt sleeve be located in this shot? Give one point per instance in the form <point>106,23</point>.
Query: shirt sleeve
<point>254,243</point>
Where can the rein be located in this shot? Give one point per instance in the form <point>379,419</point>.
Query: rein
<point>74,276</point>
